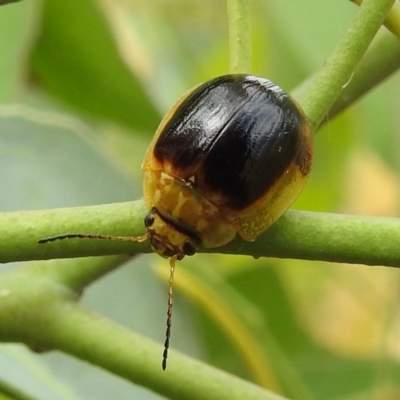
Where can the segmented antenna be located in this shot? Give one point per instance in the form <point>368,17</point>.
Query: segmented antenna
<point>169,311</point>
<point>131,239</point>
<point>94,236</point>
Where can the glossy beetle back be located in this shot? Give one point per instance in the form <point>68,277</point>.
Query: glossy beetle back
<point>242,144</point>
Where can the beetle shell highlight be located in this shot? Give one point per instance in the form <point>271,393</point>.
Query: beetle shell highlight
<point>230,157</point>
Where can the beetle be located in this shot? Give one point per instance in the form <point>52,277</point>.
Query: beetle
<point>230,157</point>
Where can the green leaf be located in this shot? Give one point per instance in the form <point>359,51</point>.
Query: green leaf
<point>51,160</point>
<point>77,60</point>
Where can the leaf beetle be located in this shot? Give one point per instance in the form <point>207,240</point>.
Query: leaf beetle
<point>230,157</point>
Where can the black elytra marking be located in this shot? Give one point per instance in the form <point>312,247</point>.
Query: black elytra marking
<point>193,127</point>
<point>235,135</point>
<point>253,151</point>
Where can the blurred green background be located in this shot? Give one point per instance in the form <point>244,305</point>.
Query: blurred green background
<point>83,86</point>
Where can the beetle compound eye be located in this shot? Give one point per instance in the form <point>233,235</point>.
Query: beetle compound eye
<point>149,221</point>
<point>189,249</point>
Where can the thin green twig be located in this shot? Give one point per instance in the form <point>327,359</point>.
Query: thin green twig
<point>41,314</point>
<point>381,61</point>
<point>239,36</point>
<point>340,66</point>
<point>392,20</point>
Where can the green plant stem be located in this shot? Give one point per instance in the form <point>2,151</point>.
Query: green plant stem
<point>339,238</point>
<point>392,20</point>
<point>139,360</point>
<point>37,311</point>
<point>78,273</point>
<point>239,36</point>
<point>381,60</point>
<point>22,231</point>
<point>297,234</point>
<point>339,67</point>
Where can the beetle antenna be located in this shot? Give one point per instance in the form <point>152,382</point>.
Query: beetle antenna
<point>169,311</point>
<point>95,236</point>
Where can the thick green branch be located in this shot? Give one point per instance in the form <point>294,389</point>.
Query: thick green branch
<point>304,235</point>
<point>340,66</point>
<point>339,238</point>
<point>22,230</point>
